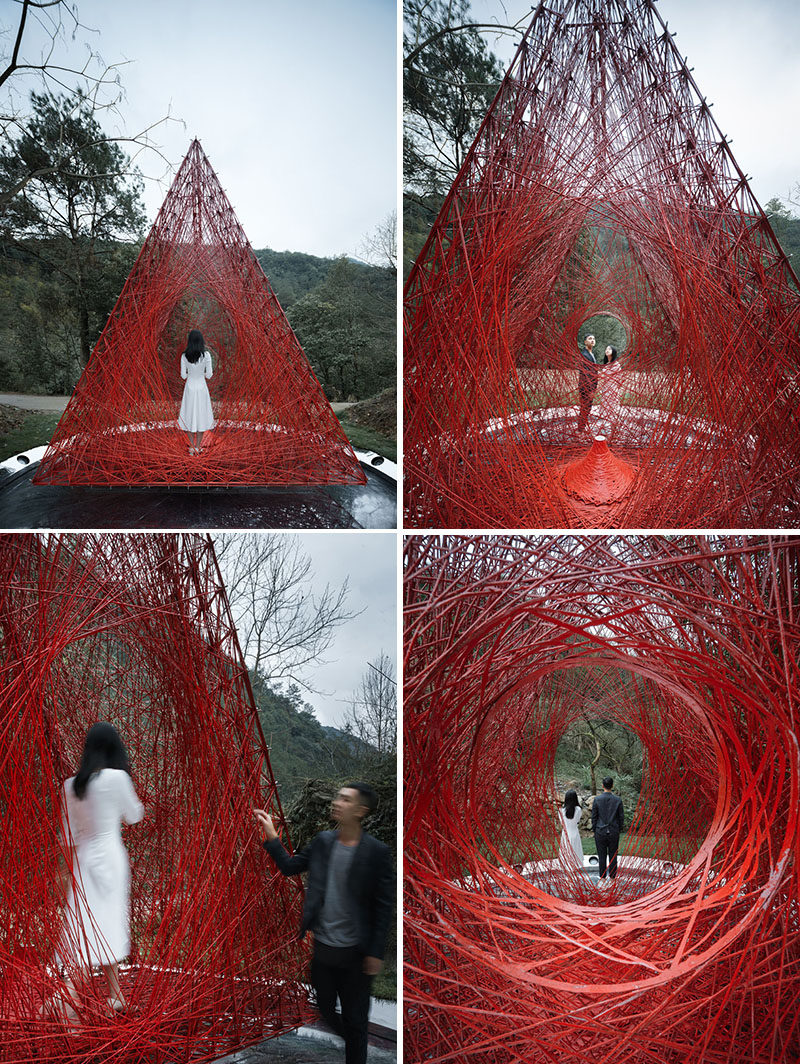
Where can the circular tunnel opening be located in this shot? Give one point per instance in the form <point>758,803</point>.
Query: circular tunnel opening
<point>568,730</point>
<point>608,330</point>
<point>514,643</point>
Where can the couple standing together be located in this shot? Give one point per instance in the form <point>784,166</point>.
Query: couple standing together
<point>608,822</point>
<point>589,371</point>
<point>348,904</point>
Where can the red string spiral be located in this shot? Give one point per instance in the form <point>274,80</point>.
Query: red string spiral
<point>691,643</point>
<point>196,270</point>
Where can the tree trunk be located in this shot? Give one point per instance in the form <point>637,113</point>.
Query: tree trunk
<point>593,764</point>
<point>83,332</point>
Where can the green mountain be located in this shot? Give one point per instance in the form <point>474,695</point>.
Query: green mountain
<point>300,748</point>
<point>292,273</point>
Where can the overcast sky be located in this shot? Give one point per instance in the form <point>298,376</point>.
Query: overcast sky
<point>294,102</point>
<point>746,62</point>
<point>368,561</point>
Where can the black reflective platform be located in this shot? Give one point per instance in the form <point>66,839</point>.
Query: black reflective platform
<point>25,505</point>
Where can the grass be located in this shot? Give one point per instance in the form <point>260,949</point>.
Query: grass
<point>657,846</point>
<point>35,431</point>
<point>366,439</point>
<point>660,847</point>
<point>385,985</point>
<point>648,390</point>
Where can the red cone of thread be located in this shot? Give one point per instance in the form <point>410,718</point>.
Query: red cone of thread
<point>599,476</point>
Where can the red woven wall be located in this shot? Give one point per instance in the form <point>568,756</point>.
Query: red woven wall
<point>599,183</point>
<point>197,270</point>
<point>691,643</point>
<point>136,630</point>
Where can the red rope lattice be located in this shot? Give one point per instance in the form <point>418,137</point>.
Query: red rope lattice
<point>136,630</point>
<point>273,423</point>
<point>694,954</point>
<point>600,184</point>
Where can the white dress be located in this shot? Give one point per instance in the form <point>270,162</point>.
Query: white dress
<point>571,847</point>
<point>196,414</point>
<point>610,388</point>
<point>96,918</point>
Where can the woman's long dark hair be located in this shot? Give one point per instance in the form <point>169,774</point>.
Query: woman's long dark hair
<point>570,803</point>
<point>103,749</point>
<point>195,345</point>
<point>606,359</point>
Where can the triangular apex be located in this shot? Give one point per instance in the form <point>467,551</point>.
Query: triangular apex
<point>600,197</point>
<point>273,424</point>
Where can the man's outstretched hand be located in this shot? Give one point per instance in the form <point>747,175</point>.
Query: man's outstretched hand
<point>268,832</point>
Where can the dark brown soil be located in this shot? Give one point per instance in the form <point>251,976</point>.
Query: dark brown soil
<point>11,418</point>
<point>378,413</point>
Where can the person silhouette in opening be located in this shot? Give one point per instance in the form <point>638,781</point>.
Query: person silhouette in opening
<point>608,821</point>
<point>95,803</point>
<point>587,381</point>
<point>571,847</point>
<point>196,415</point>
<point>610,389</point>
<point>348,908</point>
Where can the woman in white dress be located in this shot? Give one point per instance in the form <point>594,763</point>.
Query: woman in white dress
<point>611,386</point>
<point>196,415</point>
<point>95,802</point>
<point>570,853</point>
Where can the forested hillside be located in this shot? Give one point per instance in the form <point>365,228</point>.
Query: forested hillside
<point>342,311</point>
<point>72,222</point>
<point>787,229</point>
<point>300,748</point>
<point>292,274</point>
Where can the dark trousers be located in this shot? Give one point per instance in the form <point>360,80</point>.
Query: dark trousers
<point>338,972</point>
<point>607,846</point>
<point>587,389</point>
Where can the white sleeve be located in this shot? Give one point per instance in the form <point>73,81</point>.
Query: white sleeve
<point>208,369</point>
<point>184,367</point>
<point>66,833</point>
<point>131,808</point>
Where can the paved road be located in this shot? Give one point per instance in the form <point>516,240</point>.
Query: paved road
<point>33,402</point>
<point>308,1047</point>
<point>58,402</point>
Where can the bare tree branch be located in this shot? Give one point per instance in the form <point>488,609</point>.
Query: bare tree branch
<point>97,82</point>
<point>372,717</point>
<point>379,248</point>
<point>285,624</point>
<point>420,46</point>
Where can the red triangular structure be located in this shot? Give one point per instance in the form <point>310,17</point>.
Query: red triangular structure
<point>197,270</point>
<point>136,630</point>
<point>600,196</point>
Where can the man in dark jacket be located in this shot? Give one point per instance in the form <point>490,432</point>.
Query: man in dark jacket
<point>608,820</point>
<point>348,908</point>
<point>588,371</point>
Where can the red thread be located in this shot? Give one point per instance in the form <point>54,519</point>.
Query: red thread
<point>197,270</point>
<point>136,629</point>
<point>599,477</point>
<point>693,644</point>
<point>600,184</point>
